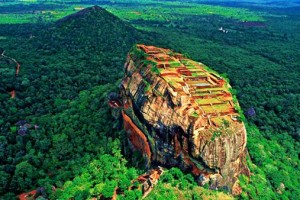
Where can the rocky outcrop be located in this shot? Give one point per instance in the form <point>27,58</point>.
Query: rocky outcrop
<point>178,112</point>
<point>149,180</point>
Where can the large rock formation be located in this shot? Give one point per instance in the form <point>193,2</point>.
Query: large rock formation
<point>178,112</point>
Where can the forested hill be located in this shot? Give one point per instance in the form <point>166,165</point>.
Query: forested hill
<point>80,51</point>
<point>93,28</point>
<point>60,62</point>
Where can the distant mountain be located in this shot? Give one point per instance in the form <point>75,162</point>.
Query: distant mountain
<point>93,28</point>
<point>83,13</point>
<point>80,51</point>
<point>93,41</point>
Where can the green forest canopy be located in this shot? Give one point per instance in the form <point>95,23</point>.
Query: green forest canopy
<point>75,121</point>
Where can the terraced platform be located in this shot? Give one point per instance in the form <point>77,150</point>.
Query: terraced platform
<point>202,93</point>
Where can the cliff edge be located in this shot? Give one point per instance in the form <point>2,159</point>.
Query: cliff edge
<point>178,112</point>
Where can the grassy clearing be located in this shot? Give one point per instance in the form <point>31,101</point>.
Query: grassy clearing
<point>175,64</point>
<point>156,11</point>
<point>208,101</point>
<point>170,11</point>
<point>38,16</point>
<point>235,13</point>
<point>15,18</point>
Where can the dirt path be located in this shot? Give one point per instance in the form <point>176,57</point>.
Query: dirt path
<point>17,68</point>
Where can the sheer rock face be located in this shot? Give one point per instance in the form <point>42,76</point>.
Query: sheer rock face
<point>178,112</point>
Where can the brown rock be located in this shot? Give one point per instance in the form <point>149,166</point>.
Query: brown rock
<point>178,112</point>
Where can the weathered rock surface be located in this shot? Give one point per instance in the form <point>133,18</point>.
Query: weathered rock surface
<point>178,112</point>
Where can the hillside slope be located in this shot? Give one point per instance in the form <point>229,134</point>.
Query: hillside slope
<point>58,62</point>
<point>93,28</point>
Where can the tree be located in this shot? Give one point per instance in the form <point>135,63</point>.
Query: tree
<point>4,181</point>
<point>24,177</point>
<point>109,188</point>
<point>124,182</point>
